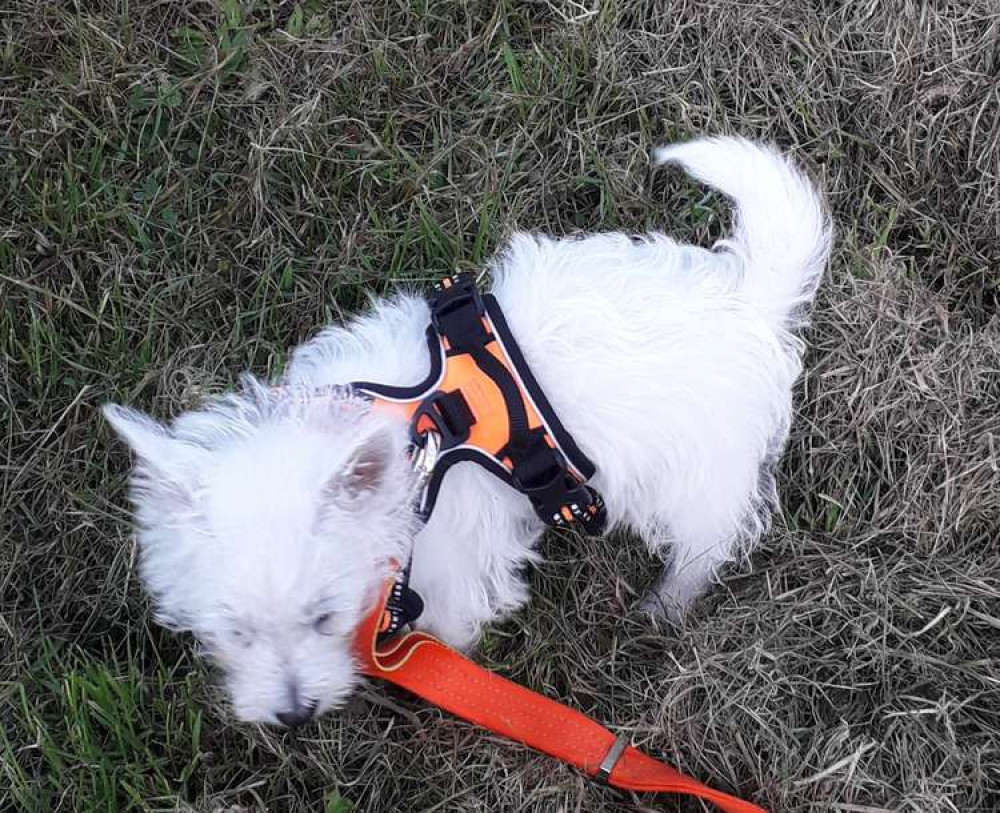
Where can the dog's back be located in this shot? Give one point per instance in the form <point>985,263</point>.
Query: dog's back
<point>673,365</point>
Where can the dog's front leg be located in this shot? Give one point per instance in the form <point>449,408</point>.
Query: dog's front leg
<point>469,559</point>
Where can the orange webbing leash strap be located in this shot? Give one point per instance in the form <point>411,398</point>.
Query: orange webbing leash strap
<point>426,667</point>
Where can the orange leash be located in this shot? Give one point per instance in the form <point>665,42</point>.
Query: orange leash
<point>429,669</point>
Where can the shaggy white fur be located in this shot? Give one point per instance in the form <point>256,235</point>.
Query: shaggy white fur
<point>267,518</point>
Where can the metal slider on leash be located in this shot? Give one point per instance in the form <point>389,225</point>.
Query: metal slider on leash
<point>611,759</point>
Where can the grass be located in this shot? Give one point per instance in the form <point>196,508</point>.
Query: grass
<point>187,189</point>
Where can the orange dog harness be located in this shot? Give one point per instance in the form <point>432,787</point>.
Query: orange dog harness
<point>485,406</point>
<point>426,667</point>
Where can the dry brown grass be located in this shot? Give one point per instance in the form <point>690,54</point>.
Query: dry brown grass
<point>188,189</point>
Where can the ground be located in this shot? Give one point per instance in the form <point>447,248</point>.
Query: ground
<point>187,189</point>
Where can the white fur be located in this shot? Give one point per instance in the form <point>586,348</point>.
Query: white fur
<point>268,518</point>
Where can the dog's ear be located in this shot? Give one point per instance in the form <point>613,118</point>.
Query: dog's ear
<point>163,465</point>
<point>149,440</point>
<point>367,470</point>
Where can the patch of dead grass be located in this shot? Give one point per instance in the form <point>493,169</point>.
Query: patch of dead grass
<point>189,189</point>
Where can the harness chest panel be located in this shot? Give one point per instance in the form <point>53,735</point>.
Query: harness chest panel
<point>483,401</point>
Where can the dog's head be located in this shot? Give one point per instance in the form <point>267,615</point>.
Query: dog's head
<point>266,524</point>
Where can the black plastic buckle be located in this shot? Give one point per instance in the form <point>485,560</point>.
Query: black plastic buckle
<point>558,498</point>
<point>585,508</point>
<point>450,414</point>
<point>457,313</point>
<point>404,606</point>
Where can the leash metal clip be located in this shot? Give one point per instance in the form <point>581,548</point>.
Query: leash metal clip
<point>424,462</point>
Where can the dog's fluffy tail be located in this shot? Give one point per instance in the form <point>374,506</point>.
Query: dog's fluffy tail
<point>781,229</point>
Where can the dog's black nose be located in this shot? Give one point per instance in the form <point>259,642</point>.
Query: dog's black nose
<point>300,715</point>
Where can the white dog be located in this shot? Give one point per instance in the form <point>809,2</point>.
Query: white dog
<point>267,519</point>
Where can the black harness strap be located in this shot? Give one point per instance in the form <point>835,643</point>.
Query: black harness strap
<point>538,470</point>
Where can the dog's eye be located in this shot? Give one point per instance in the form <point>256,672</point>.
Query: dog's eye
<point>323,623</point>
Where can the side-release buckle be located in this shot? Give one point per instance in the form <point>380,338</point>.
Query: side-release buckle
<point>457,312</point>
<point>403,606</point>
<point>560,500</point>
<point>586,508</point>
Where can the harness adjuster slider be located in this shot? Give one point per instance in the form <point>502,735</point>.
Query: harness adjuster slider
<point>611,759</point>
<point>544,481</point>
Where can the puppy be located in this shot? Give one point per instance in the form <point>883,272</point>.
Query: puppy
<point>268,518</point>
